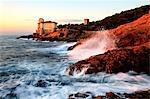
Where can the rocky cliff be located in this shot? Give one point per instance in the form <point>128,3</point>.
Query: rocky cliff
<point>133,43</point>
<point>79,31</point>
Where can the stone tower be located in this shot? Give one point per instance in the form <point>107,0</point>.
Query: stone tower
<point>40,26</point>
<point>86,21</point>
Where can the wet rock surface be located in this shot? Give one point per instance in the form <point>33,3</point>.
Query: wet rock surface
<point>114,61</point>
<point>86,95</point>
<point>72,47</point>
<point>25,36</point>
<point>135,95</point>
<point>112,95</point>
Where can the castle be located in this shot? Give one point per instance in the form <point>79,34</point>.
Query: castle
<point>45,27</point>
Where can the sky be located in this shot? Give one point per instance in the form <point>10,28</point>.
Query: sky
<point>21,16</point>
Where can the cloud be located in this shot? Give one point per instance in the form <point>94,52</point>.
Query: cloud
<point>69,20</point>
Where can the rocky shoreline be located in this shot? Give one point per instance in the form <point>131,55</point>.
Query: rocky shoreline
<point>145,94</point>
<point>132,52</point>
<point>114,61</point>
<point>133,43</point>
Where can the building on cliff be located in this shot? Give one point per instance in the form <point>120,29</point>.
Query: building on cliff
<point>45,27</point>
<point>86,21</point>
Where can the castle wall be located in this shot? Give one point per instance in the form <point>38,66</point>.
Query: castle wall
<point>45,27</point>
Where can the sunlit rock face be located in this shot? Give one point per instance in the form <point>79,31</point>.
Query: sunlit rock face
<point>134,33</point>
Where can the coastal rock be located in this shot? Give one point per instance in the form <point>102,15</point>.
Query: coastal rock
<point>25,36</point>
<point>143,94</point>
<point>72,47</point>
<point>114,61</point>
<point>86,95</point>
<point>130,34</point>
<point>136,95</point>
<point>133,43</point>
<point>134,33</point>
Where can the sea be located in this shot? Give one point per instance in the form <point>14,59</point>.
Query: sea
<point>37,70</point>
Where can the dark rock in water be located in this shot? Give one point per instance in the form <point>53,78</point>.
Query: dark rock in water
<point>139,95</point>
<point>86,95</point>
<point>10,96</point>
<point>72,47</point>
<point>114,61</point>
<point>111,95</point>
<point>25,36</point>
<point>41,83</point>
<point>135,95</point>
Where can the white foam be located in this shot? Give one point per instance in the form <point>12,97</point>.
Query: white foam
<point>119,83</point>
<point>77,73</point>
<point>60,85</point>
<point>101,42</point>
<point>26,39</point>
<point>60,48</point>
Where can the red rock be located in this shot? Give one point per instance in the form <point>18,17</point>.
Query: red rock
<point>135,95</point>
<point>134,33</point>
<point>114,61</point>
<point>134,43</point>
<point>98,97</point>
<point>143,94</point>
<point>111,95</point>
